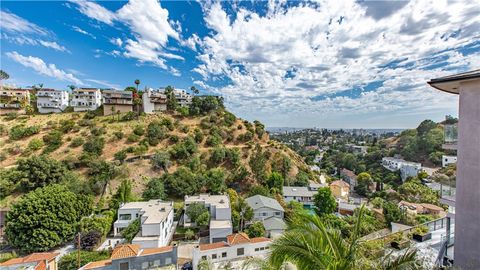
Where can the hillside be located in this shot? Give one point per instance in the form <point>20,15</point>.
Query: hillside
<point>200,143</point>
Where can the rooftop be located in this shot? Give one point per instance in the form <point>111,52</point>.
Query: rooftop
<point>220,224</point>
<point>155,211</point>
<point>220,201</point>
<point>234,239</point>
<point>274,223</point>
<point>347,172</point>
<point>340,183</point>
<point>297,192</point>
<point>451,83</point>
<point>259,201</point>
<point>36,259</point>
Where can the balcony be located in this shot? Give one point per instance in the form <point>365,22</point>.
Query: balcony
<point>450,136</point>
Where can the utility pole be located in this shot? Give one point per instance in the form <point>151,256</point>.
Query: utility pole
<point>78,250</point>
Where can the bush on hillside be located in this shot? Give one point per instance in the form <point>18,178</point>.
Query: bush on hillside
<point>19,131</point>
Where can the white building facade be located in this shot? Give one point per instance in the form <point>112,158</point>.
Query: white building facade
<point>407,168</point>
<point>447,160</point>
<point>154,101</point>
<point>217,205</point>
<point>86,99</point>
<point>156,219</point>
<point>264,207</point>
<point>51,101</point>
<point>183,98</point>
<point>300,194</point>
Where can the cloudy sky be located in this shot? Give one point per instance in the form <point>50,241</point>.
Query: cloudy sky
<point>332,63</point>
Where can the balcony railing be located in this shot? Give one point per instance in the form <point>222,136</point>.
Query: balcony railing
<point>450,136</point>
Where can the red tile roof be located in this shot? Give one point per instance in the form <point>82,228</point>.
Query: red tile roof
<point>124,251</point>
<point>340,183</point>
<point>234,239</point>
<point>213,246</point>
<point>238,238</point>
<point>149,251</point>
<point>39,258</point>
<point>93,265</point>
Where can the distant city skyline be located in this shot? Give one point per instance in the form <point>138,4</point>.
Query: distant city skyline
<point>333,64</point>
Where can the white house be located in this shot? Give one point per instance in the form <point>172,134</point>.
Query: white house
<point>237,248</point>
<point>447,160</point>
<point>265,207</point>
<point>183,98</point>
<point>219,230</point>
<point>302,195</point>
<point>86,99</point>
<point>154,101</point>
<point>218,205</point>
<point>274,227</point>
<point>407,168</point>
<point>51,100</point>
<point>156,218</point>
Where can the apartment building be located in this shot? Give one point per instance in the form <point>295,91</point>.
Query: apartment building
<point>303,195</point>
<point>350,177</point>
<point>407,168</point>
<point>183,98</point>
<point>14,100</point>
<point>115,101</point>
<point>156,219</point>
<point>236,248</point>
<point>86,99</point>
<point>51,100</point>
<point>467,216</point>
<point>154,101</point>
<point>34,261</point>
<point>131,256</point>
<point>447,160</point>
<point>218,205</point>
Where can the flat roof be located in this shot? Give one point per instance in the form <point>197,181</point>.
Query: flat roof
<point>451,83</point>
<point>220,224</point>
<point>297,192</point>
<point>156,211</point>
<point>220,201</point>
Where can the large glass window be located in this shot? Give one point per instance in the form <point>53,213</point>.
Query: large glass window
<point>125,217</point>
<point>240,251</point>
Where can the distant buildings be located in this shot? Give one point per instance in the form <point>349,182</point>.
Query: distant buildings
<point>340,189</point>
<point>422,208</point>
<point>447,160</point>
<point>34,261</point>
<point>357,149</point>
<point>269,212</point>
<point>117,101</point>
<point>154,101</point>
<point>407,168</point>
<point>86,99</point>
<point>183,98</point>
<point>14,100</point>
<point>156,219</point>
<point>51,101</point>
<point>131,256</point>
<point>238,246</point>
<point>349,177</point>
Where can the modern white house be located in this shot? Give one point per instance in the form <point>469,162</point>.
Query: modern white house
<point>218,205</point>
<point>183,98</point>
<point>154,101</point>
<point>302,195</point>
<point>14,100</point>
<point>447,160</point>
<point>86,99</point>
<point>236,248</point>
<point>156,219</point>
<point>407,168</point>
<point>219,230</point>
<point>51,100</point>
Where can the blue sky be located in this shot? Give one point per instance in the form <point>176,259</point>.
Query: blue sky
<point>348,64</point>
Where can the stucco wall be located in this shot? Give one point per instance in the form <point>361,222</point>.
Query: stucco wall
<point>107,109</point>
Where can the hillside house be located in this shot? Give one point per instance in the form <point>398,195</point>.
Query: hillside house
<point>340,189</point>
<point>302,195</point>
<point>154,101</point>
<point>183,98</point>
<point>86,99</point>
<point>156,219</point>
<point>131,256</point>
<point>51,100</point>
<point>115,101</point>
<point>269,212</point>
<point>407,168</point>
<point>349,177</point>
<point>237,247</point>
<point>34,261</point>
<point>14,100</point>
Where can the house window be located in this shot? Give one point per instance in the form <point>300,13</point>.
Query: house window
<point>214,256</point>
<point>125,217</point>
<point>257,249</point>
<point>224,254</point>
<point>264,214</point>
<point>124,266</point>
<point>156,263</point>
<point>262,248</point>
<point>277,213</point>
<point>240,251</point>
<point>168,261</point>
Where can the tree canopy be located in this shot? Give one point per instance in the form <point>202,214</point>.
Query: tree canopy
<point>324,201</point>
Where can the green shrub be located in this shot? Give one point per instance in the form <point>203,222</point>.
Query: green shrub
<point>66,125</point>
<point>218,155</point>
<point>53,141</point>
<point>97,131</point>
<point>129,116</point>
<point>174,138</point>
<point>118,135</point>
<point>167,122</point>
<point>139,130</point>
<point>11,116</point>
<point>132,230</point>
<point>76,142</point>
<point>18,132</point>
<point>214,140</point>
<point>140,150</point>
<point>89,115</point>
<point>86,123</point>
<point>155,133</point>
<point>94,146</point>
<point>198,135</point>
<point>133,138</point>
<point>120,155</point>
<point>161,160</point>
<point>35,144</point>
<point>69,261</point>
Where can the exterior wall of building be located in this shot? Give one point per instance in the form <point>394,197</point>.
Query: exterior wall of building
<point>447,160</point>
<point>250,250</point>
<point>151,107</point>
<point>52,265</point>
<point>219,234</point>
<point>265,212</point>
<point>120,223</point>
<point>339,192</point>
<point>223,213</point>
<point>107,108</point>
<point>86,100</point>
<point>467,215</point>
<point>145,262</point>
<point>306,201</point>
<point>13,100</point>
<point>52,101</point>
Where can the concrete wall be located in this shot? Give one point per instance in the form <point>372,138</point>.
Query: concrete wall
<point>223,213</point>
<point>159,260</point>
<point>467,216</point>
<point>123,108</point>
<point>219,233</point>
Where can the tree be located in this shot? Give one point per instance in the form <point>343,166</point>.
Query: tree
<point>275,180</point>
<point>40,171</point>
<point>256,229</point>
<point>161,160</point>
<point>182,182</point>
<point>4,75</point>
<point>137,82</point>
<point>45,218</point>
<point>257,163</point>
<point>94,145</point>
<point>215,180</point>
<point>364,180</point>
<point>414,191</point>
<point>71,86</point>
<point>90,240</point>
<point>301,179</point>
<point>132,229</point>
<point>392,212</point>
<point>259,190</point>
<point>203,220</point>
<point>124,194</point>
<point>154,190</point>
<point>195,210</point>
<point>310,243</point>
<point>324,201</point>
<point>243,211</point>
<point>69,261</point>
<point>194,90</point>
<point>172,102</point>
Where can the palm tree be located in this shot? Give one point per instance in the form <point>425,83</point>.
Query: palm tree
<point>3,76</point>
<point>71,86</point>
<point>205,265</point>
<point>310,243</point>
<point>194,90</point>
<point>137,82</point>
